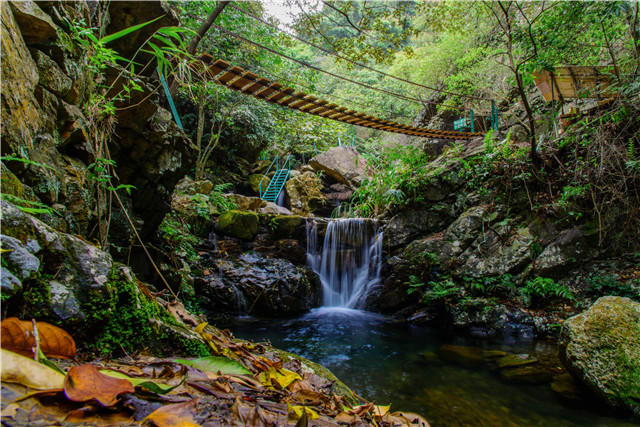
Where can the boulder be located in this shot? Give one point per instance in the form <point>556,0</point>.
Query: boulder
<point>569,249</point>
<point>50,76</point>
<point>80,271</point>
<point>35,25</point>
<point>344,164</point>
<point>305,193</point>
<point>257,184</point>
<point>241,224</point>
<point>20,111</point>
<point>292,250</point>
<point>601,349</point>
<point>409,225</point>
<point>253,284</point>
<point>191,187</point>
<point>289,227</point>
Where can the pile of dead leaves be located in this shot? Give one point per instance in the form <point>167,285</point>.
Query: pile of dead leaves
<point>242,384</point>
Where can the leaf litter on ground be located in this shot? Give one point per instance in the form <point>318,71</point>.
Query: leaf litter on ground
<point>242,383</point>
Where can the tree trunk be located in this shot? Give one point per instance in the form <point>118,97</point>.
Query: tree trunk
<point>193,45</point>
<point>206,25</point>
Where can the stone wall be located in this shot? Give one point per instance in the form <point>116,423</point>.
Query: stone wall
<point>47,82</point>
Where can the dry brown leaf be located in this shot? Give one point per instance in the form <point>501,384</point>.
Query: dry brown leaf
<point>309,397</point>
<point>176,415</point>
<point>411,419</point>
<point>17,336</point>
<point>85,382</point>
<point>181,314</point>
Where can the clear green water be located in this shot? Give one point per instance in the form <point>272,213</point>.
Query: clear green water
<point>380,360</point>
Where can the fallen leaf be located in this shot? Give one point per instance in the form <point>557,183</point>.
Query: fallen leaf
<point>278,378</point>
<point>85,382</point>
<point>216,364</point>
<point>10,411</point>
<point>410,419</point>
<point>380,411</point>
<point>154,386</point>
<point>299,410</point>
<point>22,370</point>
<point>181,314</point>
<point>17,336</point>
<point>176,415</point>
<point>310,397</point>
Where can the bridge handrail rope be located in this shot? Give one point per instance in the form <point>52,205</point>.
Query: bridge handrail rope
<point>354,62</point>
<point>265,175</point>
<point>304,64</point>
<point>247,82</point>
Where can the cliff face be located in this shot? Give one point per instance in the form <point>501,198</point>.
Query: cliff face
<point>48,85</point>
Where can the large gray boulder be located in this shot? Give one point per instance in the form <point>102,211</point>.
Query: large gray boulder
<point>344,164</point>
<point>253,284</point>
<point>601,348</point>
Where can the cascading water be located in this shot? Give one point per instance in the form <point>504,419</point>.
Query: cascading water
<point>349,262</point>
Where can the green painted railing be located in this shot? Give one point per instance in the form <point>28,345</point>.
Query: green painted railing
<point>278,181</point>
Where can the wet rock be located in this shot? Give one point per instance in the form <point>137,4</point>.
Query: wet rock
<point>81,270</point>
<point>244,203</point>
<point>469,357</point>
<point>569,249</point>
<point>601,349</point>
<point>535,373</point>
<point>20,112</point>
<point>344,164</point>
<point>568,388</point>
<point>253,284</point>
<point>50,76</point>
<point>409,225</point>
<point>305,193</point>
<point>514,360</point>
<point>480,316</point>
<point>241,224</point>
<point>19,258</point>
<point>289,227</point>
<point>291,250</point>
<point>35,25</point>
<point>497,252</point>
<point>10,284</point>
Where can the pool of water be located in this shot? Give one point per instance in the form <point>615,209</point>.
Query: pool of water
<point>382,360</point>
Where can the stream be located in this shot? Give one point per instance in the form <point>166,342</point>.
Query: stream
<point>389,361</point>
<point>382,360</point>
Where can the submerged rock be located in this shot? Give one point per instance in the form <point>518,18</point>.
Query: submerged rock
<point>601,348</point>
<point>253,284</point>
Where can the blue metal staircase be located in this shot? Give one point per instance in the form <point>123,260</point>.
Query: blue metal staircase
<point>278,181</point>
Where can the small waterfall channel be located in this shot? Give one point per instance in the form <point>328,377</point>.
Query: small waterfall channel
<point>349,260</point>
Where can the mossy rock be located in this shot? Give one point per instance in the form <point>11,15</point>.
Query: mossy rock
<point>337,387</point>
<point>601,349</point>
<point>241,224</point>
<point>254,181</point>
<point>288,226</point>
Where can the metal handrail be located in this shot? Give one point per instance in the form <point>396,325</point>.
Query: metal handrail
<point>267,173</point>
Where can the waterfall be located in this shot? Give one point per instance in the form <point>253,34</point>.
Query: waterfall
<point>349,262</point>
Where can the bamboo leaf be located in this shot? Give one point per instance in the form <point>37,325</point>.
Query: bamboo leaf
<point>126,31</point>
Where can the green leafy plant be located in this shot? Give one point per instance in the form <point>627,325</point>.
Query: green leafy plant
<point>542,291</point>
<point>601,284</point>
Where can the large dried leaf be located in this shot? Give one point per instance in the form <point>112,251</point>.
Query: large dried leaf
<point>17,336</point>
<point>181,314</point>
<point>216,364</point>
<point>22,370</point>
<point>154,386</point>
<point>85,382</point>
<point>278,378</point>
<point>176,415</point>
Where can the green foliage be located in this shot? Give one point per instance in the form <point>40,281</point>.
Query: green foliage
<point>444,292</point>
<point>179,237</point>
<point>542,291</point>
<point>601,284</point>
<point>221,202</point>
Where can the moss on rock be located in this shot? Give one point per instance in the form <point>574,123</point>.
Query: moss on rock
<point>241,224</point>
<point>601,348</point>
<point>288,226</point>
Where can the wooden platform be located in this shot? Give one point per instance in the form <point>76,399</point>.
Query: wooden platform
<point>249,83</point>
<point>575,82</point>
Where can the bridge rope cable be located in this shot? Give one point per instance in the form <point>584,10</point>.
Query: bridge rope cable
<point>315,90</point>
<point>304,64</point>
<point>327,51</point>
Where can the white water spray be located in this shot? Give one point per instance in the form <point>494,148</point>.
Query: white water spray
<point>349,262</point>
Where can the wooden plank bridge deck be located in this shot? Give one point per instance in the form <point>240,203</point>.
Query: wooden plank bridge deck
<point>249,83</point>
